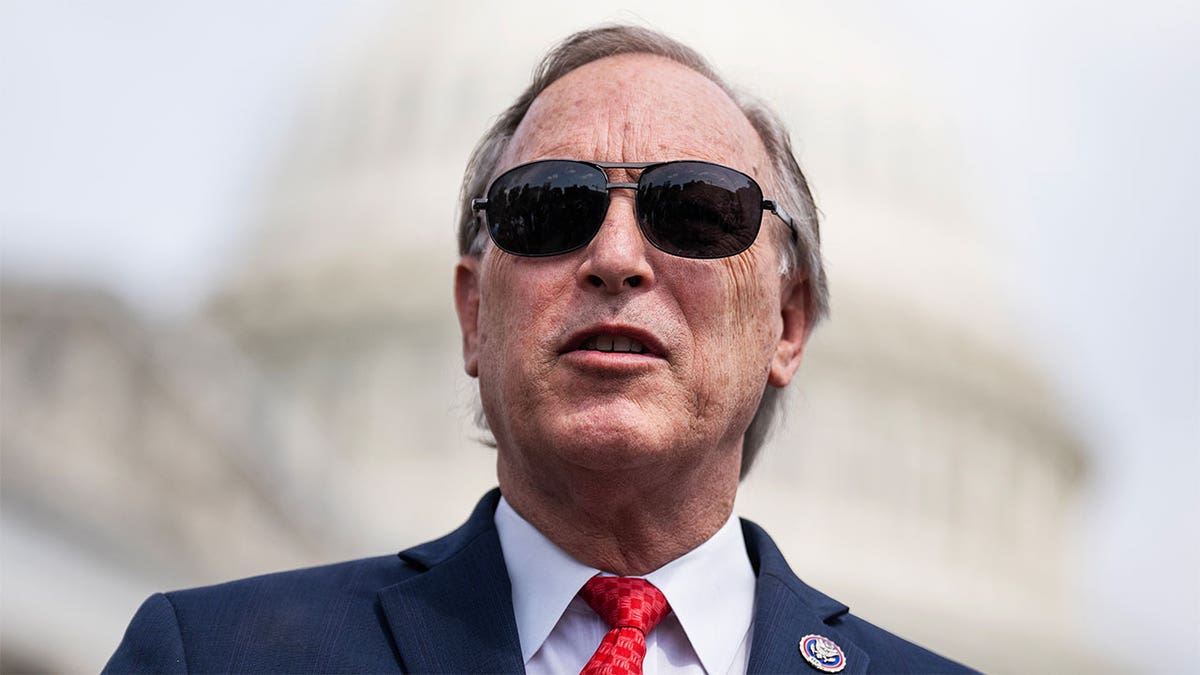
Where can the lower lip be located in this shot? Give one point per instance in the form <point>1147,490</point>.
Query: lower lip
<point>612,362</point>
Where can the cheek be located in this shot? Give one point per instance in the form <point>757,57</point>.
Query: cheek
<point>515,305</point>
<point>736,326</point>
<point>495,277</point>
<point>733,314</point>
<point>752,292</point>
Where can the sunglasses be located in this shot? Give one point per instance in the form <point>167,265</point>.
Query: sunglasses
<point>690,209</point>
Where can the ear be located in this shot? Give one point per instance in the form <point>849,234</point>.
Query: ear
<point>466,303</point>
<point>796,326</point>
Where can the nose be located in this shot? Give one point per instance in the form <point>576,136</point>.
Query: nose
<point>615,259</point>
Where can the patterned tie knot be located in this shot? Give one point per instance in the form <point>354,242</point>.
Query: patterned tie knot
<point>626,602</point>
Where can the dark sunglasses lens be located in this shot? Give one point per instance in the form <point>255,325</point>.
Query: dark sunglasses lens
<point>546,208</point>
<point>699,210</point>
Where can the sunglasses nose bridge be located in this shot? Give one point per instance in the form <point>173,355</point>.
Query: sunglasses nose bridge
<point>621,198</point>
<point>621,186</point>
<point>622,209</point>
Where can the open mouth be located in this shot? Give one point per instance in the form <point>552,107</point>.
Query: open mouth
<point>615,340</point>
<point>613,343</point>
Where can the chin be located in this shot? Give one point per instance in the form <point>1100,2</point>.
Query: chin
<point>603,442</point>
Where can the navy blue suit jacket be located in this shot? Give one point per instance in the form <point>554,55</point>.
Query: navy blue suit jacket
<point>446,606</point>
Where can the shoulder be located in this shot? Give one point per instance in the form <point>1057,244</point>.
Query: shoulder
<point>318,619</point>
<point>892,653</point>
<point>294,621</point>
<point>296,590</point>
<point>786,608</point>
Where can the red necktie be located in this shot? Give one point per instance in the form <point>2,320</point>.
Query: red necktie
<point>631,607</point>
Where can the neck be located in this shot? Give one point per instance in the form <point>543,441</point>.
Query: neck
<point>625,522</point>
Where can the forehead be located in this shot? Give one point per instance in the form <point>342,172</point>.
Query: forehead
<point>637,108</point>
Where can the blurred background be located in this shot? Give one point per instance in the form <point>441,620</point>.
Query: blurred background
<point>227,344</point>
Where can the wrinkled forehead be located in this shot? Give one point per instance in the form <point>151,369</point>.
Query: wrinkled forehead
<point>637,108</point>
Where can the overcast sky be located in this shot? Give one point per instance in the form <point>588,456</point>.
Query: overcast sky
<point>131,134</point>
<point>1087,114</point>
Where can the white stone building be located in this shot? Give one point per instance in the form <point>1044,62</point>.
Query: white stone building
<point>923,474</point>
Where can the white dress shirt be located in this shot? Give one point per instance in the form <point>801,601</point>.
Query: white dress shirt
<point>710,590</point>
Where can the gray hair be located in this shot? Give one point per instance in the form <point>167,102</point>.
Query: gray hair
<point>802,260</point>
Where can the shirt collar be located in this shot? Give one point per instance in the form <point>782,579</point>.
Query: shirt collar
<point>544,578</point>
<point>711,591</point>
<point>710,588</point>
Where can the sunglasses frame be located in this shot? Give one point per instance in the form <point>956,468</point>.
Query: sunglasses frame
<point>479,204</point>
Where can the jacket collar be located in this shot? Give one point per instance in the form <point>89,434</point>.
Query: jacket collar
<point>456,615</point>
<point>786,610</point>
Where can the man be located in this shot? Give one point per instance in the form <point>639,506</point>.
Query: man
<point>633,294</point>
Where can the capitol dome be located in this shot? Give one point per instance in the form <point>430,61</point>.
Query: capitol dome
<point>922,473</point>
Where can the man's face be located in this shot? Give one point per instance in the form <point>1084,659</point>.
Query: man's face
<point>537,331</point>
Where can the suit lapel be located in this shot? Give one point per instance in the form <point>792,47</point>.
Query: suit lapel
<point>457,615</point>
<point>786,610</point>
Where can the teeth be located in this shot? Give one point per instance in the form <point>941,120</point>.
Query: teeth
<point>613,343</point>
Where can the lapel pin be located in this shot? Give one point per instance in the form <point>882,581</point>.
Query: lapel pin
<point>822,653</point>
